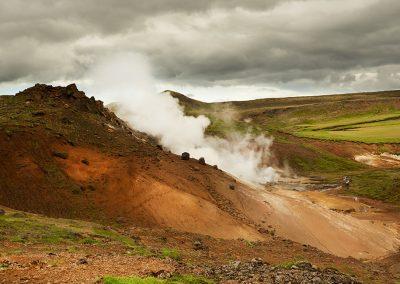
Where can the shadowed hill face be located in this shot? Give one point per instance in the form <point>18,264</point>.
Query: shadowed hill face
<point>65,155</point>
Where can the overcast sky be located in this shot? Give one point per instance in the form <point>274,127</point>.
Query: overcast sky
<point>213,50</point>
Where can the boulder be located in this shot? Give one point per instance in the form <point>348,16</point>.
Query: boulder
<point>82,261</point>
<point>2,212</point>
<point>202,161</point>
<point>185,156</point>
<point>304,265</point>
<point>198,245</point>
<point>38,113</point>
<point>263,230</point>
<point>231,186</point>
<point>61,155</point>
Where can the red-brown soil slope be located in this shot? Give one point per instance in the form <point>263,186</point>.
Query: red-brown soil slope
<point>65,155</point>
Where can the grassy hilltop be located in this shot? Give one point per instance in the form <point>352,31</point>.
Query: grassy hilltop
<point>319,136</point>
<point>364,117</point>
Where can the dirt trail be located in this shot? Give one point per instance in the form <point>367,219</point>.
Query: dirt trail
<point>322,223</point>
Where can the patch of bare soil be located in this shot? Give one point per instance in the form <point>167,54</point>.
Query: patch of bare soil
<point>384,160</point>
<point>323,221</point>
<point>148,191</point>
<point>86,266</point>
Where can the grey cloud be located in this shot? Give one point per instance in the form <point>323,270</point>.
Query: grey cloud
<point>278,43</point>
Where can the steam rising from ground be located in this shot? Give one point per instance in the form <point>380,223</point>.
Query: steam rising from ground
<point>127,80</point>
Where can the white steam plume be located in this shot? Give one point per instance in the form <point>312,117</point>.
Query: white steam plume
<point>127,80</point>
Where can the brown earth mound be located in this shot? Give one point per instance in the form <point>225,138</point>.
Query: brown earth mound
<point>77,159</point>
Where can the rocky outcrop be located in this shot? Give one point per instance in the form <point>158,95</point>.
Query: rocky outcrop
<point>69,95</point>
<point>258,271</point>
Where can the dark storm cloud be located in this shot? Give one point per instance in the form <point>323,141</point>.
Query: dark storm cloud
<point>335,42</point>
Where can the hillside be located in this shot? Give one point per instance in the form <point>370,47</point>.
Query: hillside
<point>83,162</point>
<point>120,194</point>
<point>332,136</point>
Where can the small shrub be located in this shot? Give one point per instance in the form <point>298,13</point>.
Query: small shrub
<point>127,241</point>
<point>171,253</point>
<point>4,265</point>
<point>18,239</point>
<point>250,244</point>
<point>90,241</point>
<point>131,280</point>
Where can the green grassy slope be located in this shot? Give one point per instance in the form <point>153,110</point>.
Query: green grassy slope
<point>296,123</point>
<point>351,117</point>
<point>29,229</point>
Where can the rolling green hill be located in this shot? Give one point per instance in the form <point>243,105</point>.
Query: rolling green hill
<point>364,117</point>
<point>319,136</point>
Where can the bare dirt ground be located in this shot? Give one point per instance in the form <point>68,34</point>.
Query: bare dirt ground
<point>323,223</point>
<point>150,192</point>
<point>384,160</point>
<point>67,267</point>
<point>338,225</point>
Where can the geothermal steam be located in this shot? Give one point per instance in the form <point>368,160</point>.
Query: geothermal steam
<point>127,80</point>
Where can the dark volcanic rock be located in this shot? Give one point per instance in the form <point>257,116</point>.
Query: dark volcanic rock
<point>198,245</point>
<point>61,155</point>
<point>38,113</point>
<point>82,261</point>
<point>202,161</point>
<point>67,96</point>
<point>185,156</point>
<point>41,91</point>
<point>258,271</point>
